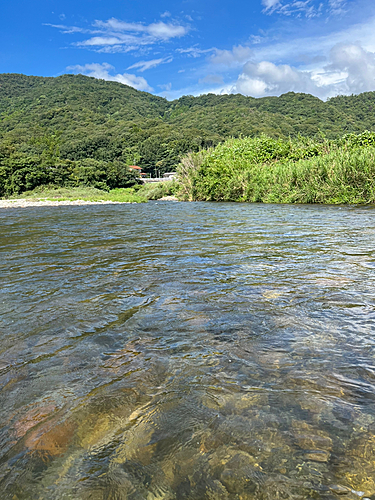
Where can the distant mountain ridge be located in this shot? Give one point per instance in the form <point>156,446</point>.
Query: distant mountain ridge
<point>110,121</point>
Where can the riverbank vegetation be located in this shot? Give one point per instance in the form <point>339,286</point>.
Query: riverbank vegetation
<point>78,132</point>
<point>20,172</point>
<point>277,171</point>
<point>157,190</point>
<point>139,193</point>
<point>84,118</point>
<point>53,193</point>
<point>260,169</point>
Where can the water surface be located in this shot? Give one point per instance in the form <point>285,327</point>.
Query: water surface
<point>187,351</point>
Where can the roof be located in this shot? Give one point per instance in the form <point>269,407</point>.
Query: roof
<point>135,167</point>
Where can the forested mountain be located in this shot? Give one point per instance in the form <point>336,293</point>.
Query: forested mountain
<point>77,118</point>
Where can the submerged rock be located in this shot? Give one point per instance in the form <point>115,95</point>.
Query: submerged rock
<point>216,491</point>
<point>51,440</point>
<point>361,476</point>
<point>315,443</point>
<point>340,490</point>
<point>317,456</point>
<point>241,476</point>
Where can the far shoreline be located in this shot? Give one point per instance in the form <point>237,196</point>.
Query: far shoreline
<point>26,203</point>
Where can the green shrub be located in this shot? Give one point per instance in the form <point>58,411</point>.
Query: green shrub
<point>275,171</point>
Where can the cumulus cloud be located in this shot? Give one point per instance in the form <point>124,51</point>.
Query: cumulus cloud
<point>115,35</point>
<point>357,63</point>
<point>145,65</point>
<point>350,69</point>
<point>102,72</point>
<point>266,78</point>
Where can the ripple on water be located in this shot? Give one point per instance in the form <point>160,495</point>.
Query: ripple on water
<point>187,351</point>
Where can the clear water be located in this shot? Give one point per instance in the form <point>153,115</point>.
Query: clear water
<point>187,351</point>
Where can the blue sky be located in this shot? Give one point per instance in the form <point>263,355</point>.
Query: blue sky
<point>254,47</point>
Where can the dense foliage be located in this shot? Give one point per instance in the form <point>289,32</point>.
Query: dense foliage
<point>75,130</point>
<point>271,170</point>
<point>21,172</point>
<point>85,118</point>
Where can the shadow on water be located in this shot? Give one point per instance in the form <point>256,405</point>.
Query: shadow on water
<point>187,351</point>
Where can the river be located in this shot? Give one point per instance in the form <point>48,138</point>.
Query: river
<point>187,351</point>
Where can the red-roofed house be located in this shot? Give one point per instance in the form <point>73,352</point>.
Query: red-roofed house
<point>134,168</point>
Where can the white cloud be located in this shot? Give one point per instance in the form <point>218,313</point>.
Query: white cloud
<point>122,36</point>
<point>166,86</point>
<point>166,31</point>
<point>68,29</point>
<point>238,55</point>
<point>357,63</point>
<point>270,4</point>
<point>298,7</point>
<point>266,78</point>
<point>311,46</point>
<point>145,65</point>
<point>246,85</point>
<point>194,51</point>
<point>166,14</point>
<point>337,7</point>
<point>113,49</point>
<point>102,71</point>
<point>308,8</point>
<point>350,69</point>
<point>101,40</point>
<point>160,30</point>
<point>256,39</point>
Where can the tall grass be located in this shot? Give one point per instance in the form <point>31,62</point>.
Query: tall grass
<point>157,190</point>
<point>273,171</point>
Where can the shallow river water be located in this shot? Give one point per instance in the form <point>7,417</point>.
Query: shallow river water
<point>187,351</point>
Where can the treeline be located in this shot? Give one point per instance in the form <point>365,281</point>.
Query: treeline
<point>79,131</point>
<point>21,172</point>
<point>94,119</point>
<point>270,170</point>
<point>111,122</point>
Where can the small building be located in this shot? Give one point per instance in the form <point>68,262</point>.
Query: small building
<point>135,168</point>
<point>169,175</point>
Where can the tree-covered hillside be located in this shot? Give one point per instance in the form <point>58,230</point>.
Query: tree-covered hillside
<point>108,125</point>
